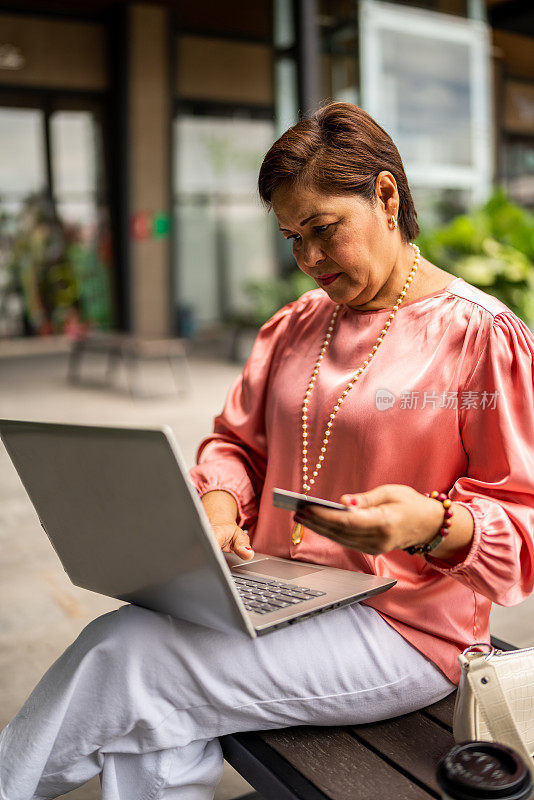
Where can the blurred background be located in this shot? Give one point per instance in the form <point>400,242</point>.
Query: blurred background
<point>131,135</point>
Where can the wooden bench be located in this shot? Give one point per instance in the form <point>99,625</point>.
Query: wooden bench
<point>131,351</point>
<point>395,758</point>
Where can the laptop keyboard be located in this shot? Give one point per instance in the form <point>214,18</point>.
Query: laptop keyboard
<point>270,595</point>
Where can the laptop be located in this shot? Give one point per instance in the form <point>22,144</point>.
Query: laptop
<point>126,521</point>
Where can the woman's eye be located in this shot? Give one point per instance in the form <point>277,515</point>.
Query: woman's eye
<point>329,229</point>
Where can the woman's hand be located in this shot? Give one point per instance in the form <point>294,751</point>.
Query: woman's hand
<point>221,508</point>
<point>232,539</point>
<point>389,517</point>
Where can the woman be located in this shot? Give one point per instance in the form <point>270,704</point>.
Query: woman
<point>391,380</point>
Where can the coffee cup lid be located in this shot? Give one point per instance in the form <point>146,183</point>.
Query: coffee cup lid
<point>481,769</point>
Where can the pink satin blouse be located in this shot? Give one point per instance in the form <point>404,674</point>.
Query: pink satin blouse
<point>446,403</point>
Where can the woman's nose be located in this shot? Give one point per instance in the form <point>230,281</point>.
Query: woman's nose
<point>311,255</point>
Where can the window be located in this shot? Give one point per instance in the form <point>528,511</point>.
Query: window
<point>224,236</point>
<point>425,79</point>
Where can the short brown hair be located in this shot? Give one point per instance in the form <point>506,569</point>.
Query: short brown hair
<point>339,150</point>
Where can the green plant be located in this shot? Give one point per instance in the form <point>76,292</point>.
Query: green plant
<point>491,248</point>
<point>266,296</point>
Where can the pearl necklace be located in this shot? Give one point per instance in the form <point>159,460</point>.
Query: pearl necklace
<point>307,482</point>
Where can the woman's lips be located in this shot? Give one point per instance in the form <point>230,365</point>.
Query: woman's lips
<point>326,279</point>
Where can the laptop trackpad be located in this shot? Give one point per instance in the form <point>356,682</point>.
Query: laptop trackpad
<point>276,569</point>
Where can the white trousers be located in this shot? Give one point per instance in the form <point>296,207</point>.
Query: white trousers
<point>141,698</point>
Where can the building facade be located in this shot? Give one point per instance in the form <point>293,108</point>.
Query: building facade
<point>131,135</point>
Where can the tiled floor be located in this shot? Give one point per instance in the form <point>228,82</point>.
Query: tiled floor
<point>41,612</point>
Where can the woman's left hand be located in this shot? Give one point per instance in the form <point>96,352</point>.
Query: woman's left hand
<point>389,517</point>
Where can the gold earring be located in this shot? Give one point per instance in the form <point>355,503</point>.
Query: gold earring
<point>395,223</point>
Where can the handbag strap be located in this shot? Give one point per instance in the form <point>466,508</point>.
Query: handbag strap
<point>487,689</point>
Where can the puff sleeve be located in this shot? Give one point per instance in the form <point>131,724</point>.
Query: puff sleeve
<point>234,457</point>
<point>497,430</point>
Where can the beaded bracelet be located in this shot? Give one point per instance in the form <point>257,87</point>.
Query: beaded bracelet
<point>444,529</point>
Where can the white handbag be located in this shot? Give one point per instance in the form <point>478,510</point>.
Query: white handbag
<point>495,699</point>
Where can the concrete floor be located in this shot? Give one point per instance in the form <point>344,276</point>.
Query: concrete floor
<point>41,612</point>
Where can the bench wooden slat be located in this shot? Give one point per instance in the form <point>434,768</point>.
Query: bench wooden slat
<point>442,711</point>
<point>413,742</point>
<point>340,765</point>
<point>272,776</point>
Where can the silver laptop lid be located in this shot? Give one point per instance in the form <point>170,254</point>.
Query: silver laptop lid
<point>125,520</point>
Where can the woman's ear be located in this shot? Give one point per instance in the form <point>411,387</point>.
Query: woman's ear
<point>387,192</point>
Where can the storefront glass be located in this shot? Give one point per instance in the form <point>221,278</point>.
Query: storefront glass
<point>55,244</point>
<point>519,170</point>
<point>22,175</point>
<point>338,25</point>
<point>224,237</point>
<point>79,193</point>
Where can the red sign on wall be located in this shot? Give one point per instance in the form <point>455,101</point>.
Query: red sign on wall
<point>140,225</point>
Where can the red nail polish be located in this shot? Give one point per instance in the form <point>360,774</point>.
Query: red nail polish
<point>353,501</point>
<point>248,548</point>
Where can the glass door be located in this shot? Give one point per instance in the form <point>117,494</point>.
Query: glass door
<point>224,237</point>
<point>519,169</point>
<point>22,179</point>
<point>79,195</point>
<point>55,243</point>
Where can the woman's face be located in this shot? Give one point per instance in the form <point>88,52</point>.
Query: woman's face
<point>345,244</point>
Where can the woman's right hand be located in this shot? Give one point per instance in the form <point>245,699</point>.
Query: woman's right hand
<point>221,508</point>
<point>232,538</point>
